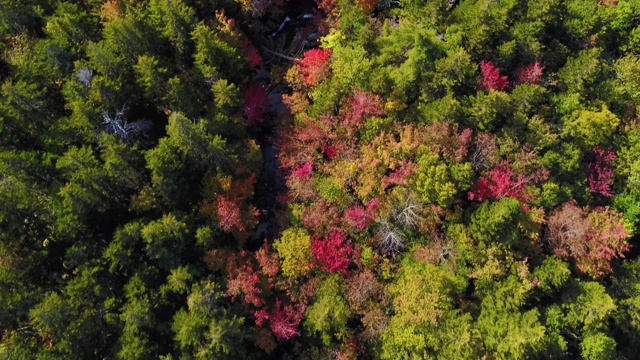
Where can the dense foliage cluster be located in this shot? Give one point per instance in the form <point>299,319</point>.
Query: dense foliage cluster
<point>453,179</point>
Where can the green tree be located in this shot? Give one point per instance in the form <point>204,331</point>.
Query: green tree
<point>294,248</point>
<point>205,329</point>
<point>329,313</point>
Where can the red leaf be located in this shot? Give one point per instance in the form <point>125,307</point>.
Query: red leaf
<point>531,74</point>
<point>253,56</point>
<point>255,103</point>
<point>491,78</point>
<point>502,181</point>
<point>315,66</point>
<point>361,105</point>
<point>303,171</point>
<point>332,252</point>
<point>283,319</point>
<point>229,213</point>
<point>356,217</point>
<point>601,172</point>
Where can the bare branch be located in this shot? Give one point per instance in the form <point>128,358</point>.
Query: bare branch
<point>118,125</point>
<point>392,240</point>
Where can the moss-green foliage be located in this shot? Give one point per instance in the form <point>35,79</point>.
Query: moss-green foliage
<point>328,315</point>
<point>294,248</point>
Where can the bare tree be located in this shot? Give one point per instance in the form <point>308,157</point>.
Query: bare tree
<point>566,231</point>
<point>118,125</point>
<point>392,240</point>
<point>84,77</point>
<point>408,214</point>
<point>485,151</point>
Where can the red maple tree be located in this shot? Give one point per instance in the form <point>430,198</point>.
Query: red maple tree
<point>607,241</point>
<point>491,78</point>
<point>530,74</point>
<point>366,6</point>
<point>332,253</point>
<point>229,213</point>
<point>321,216</point>
<point>601,171</point>
<point>356,217</point>
<point>283,319</point>
<point>330,151</point>
<point>359,106</point>
<point>314,66</point>
<point>251,52</point>
<point>328,6</point>
<point>502,181</point>
<point>245,281</point>
<point>245,277</point>
<point>255,103</point>
<point>592,239</point>
<point>303,171</point>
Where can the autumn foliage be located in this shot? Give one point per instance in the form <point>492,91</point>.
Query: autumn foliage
<point>592,238</point>
<point>303,171</point>
<point>332,253</point>
<point>314,66</point>
<point>490,78</point>
<point>359,106</point>
<point>531,74</point>
<point>283,319</point>
<point>503,181</point>
<point>251,52</point>
<point>255,103</point>
<point>366,5</point>
<point>250,276</point>
<point>601,171</point>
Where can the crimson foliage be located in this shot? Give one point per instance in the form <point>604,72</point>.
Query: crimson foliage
<point>315,66</point>
<point>253,56</point>
<point>332,252</point>
<point>283,319</point>
<point>255,103</point>
<point>491,78</point>
<point>502,181</point>
<point>530,74</point>
<point>359,106</point>
<point>601,171</point>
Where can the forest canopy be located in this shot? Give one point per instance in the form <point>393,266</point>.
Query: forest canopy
<point>328,179</point>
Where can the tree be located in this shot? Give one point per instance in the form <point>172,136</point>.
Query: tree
<point>437,181</point>
<point>508,330</point>
<point>423,323</point>
<point>332,253</point>
<point>152,77</point>
<point>359,106</point>
<point>294,248</point>
<point>531,74</point>
<point>601,172</point>
<point>215,49</point>
<point>485,151</point>
<point>255,103</point>
<point>497,221</point>
<point>206,329</point>
<point>490,77</point>
<point>502,181</point>
<point>175,20</point>
<point>252,53</point>
<point>591,127</point>
<point>592,239</point>
<point>165,240</point>
<point>283,319</point>
<point>314,66</point>
<point>591,308</point>
<point>598,346</point>
<point>329,313</point>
